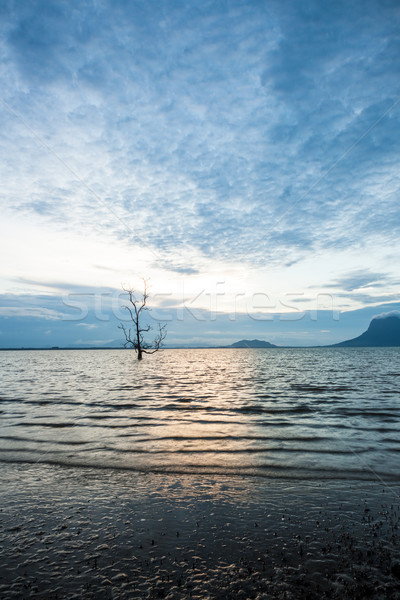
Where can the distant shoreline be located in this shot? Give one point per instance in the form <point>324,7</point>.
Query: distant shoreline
<point>332,347</point>
<point>381,333</point>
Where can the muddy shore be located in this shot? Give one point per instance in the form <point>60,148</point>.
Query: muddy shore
<point>91,533</point>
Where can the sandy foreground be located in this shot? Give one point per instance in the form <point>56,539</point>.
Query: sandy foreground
<point>89,533</point>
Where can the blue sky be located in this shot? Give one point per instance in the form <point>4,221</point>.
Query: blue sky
<point>244,155</point>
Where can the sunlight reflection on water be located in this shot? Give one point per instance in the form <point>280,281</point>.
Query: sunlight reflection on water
<point>277,412</point>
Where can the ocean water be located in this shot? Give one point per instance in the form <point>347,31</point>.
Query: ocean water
<point>301,413</point>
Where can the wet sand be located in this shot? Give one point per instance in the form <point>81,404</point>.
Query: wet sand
<point>90,533</point>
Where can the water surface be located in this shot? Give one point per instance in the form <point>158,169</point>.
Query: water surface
<point>331,413</point>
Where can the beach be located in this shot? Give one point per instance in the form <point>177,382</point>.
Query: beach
<point>71,532</point>
<point>219,474</point>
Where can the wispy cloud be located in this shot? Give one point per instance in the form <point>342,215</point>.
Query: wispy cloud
<point>201,125</point>
<point>392,313</point>
<point>363,278</point>
<point>264,134</point>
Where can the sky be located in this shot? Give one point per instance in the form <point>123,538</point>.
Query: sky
<point>241,155</point>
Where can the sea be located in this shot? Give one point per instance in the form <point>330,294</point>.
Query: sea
<point>316,413</point>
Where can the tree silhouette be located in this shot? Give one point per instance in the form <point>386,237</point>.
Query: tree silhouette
<point>134,336</point>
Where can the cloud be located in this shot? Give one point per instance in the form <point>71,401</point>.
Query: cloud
<point>39,313</point>
<point>366,299</point>
<point>67,288</point>
<point>385,315</point>
<point>36,307</point>
<point>87,325</point>
<point>214,127</point>
<point>361,279</point>
<point>85,342</point>
<point>28,324</point>
<point>205,134</point>
<point>176,267</point>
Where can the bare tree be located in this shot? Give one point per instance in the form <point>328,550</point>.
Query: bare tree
<point>134,335</point>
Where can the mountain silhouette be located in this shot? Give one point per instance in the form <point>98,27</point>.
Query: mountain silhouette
<point>382,331</point>
<point>252,344</point>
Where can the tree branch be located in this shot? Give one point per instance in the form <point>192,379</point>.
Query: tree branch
<point>136,340</point>
<point>158,340</point>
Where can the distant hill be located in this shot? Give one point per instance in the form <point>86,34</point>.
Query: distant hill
<point>252,344</point>
<point>382,331</point>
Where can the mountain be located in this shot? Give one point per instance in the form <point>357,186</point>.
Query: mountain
<point>382,331</point>
<point>252,344</point>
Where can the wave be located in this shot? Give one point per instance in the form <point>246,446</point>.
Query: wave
<point>265,471</point>
<point>308,387</point>
<point>16,438</point>
<point>244,451</point>
<point>236,438</point>
<point>241,413</point>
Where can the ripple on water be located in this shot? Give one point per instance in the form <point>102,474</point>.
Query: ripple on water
<point>314,411</point>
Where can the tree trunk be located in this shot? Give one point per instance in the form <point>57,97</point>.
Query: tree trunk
<point>138,347</point>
